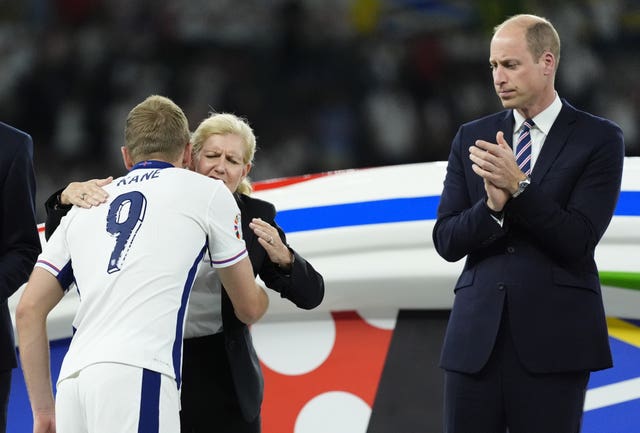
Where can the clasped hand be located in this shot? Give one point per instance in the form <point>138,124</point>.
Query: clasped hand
<point>495,163</point>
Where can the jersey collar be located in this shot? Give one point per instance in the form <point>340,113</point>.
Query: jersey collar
<point>151,164</point>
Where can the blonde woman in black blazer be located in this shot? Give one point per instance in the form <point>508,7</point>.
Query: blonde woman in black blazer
<point>222,384</point>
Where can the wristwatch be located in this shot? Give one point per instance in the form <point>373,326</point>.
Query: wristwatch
<point>521,186</point>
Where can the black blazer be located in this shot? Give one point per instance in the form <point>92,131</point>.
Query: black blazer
<point>20,242</point>
<point>541,261</point>
<point>303,285</point>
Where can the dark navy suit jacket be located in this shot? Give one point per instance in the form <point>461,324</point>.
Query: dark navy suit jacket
<point>540,263</point>
<point>19,239</point>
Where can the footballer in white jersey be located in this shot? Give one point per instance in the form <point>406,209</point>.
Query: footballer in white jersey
<point>134,260</point>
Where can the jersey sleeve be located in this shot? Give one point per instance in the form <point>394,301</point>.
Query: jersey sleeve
<point>55,257</point>
<point>226,244</point>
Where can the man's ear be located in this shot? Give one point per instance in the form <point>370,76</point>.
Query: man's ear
<point>186,157</point>
<point>126,158</point>
<point>549,62</point>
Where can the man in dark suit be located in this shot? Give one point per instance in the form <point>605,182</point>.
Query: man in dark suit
<point>20,243</point>
<point>527,325</point>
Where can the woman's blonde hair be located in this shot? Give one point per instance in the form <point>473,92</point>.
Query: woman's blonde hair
<point>222,124</point>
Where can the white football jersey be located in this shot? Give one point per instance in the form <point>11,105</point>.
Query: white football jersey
<point>134,260</point>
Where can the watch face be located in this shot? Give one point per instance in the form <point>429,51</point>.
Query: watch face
<point>521,187</point>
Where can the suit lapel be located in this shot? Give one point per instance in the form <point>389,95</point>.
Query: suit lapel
<point>555,142</point>
<point>250,210</point>
<point>247,234</point>
<point>505,124</point>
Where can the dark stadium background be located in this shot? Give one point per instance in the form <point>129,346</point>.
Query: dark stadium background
<point>326,84</point>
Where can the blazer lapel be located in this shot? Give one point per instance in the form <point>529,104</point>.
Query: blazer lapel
<point>555,141</point>
<point>247,234</point>
<point>505,124</point>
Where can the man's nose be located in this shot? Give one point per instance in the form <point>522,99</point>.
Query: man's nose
<point>498,75</point>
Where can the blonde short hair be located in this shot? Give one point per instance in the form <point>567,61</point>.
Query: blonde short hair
<point>156,127</point>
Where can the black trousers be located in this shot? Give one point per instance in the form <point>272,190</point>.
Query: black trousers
<point>208,397</point>
<point>5,389</point>
<point>504,395</point>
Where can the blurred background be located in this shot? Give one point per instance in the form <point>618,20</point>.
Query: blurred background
<point>326,84</point>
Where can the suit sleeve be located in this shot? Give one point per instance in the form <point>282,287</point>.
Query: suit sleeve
<point>20,239</point>
<point>462,225</point>
<point>54,212</point>
<point>302,284</point>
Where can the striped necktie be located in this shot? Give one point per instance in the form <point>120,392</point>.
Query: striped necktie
<point>523,147</point>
